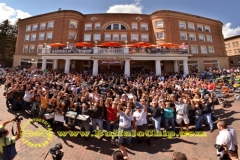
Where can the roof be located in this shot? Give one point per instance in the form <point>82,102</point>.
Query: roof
<point>187,14</point>
<point>233,37</point>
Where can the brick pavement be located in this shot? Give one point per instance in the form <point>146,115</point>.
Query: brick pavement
<point>200,148</point>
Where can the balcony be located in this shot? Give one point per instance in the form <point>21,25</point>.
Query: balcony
<point>113,51</point>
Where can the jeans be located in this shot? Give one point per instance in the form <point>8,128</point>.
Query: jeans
<point>35,104</point>
<point>114,125</point>
<point>208,116</point>
<point>199,122</point>
<point>128,139</point>
<point>42,112</point>
<point>86,125</point>
<point>166,123</point>
<point>156,122</point>
<point>26,105</point>
<point>95,122</point>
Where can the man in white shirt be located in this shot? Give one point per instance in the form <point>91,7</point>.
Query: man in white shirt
<point>226,138</point>
<point>181,109</point>
<point>140,119</point>
<point>234,135</point>
<point>125,124</point>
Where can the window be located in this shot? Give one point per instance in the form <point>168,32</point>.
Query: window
<point>144,27</point>
<point>201,38</point>
<point>207,28</point>
<point>210,50</point>
<point>237,44</point>
<point>33,37</point>
<point>25,49</point>
<point>209,38</point>
<point>123,37</point>
<point>107,37</point>
<point>72,35</point>
<point>34,27</point>
<point>87,37</point>
<point>50,25</point>
<point>41,36</point>
<point>73,24</point>
<point>194,49</point>
<point>235,51</point>
<point>160,35</point>
<point>88,26</point>
<point>183,36</point>
<point>144,38</point>
<point>39,48</point>
<point>203,49</point>
<point>31,49</point>
<point>134,37</point>
<point>97,26</point>
<point>192,37</point>
<point>230,61</point>
<point>27,37</point>
<point>182,25</point>
<point>159,24</point>
<point>134,26</point>
<point>97,37</point>
<point>42,26</point>
<point>116,26</point>
<point>115,37</point>
<point>28,28</point>
<point>233,44</point>
<point>200,27</point>
<point>191,26</point>
<point>230,51</point>
<point>49,35</point>
<point>228,45</point>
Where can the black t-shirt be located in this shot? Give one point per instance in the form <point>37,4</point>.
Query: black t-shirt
<point>206,108</point>
<point>97,112</point>
<point>156,112</point>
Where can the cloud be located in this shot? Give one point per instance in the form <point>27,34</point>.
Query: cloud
<point>229,32</point>
<point>11,14</point>
<point>136,7</point>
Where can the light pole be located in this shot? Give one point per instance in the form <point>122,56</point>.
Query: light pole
<point>96,43</point>
<point>67,44</point>
<point>126,43</point>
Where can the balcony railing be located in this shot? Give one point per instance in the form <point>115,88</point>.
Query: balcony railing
<point>125,50</point>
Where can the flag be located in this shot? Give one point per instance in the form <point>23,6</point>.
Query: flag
<point>184,45</point>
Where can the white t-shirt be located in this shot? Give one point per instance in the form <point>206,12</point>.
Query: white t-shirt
<point>234,134</point>
<point>27,96</point>
<point>181,108</point>
<point>225,137</point>
<point>141,117</point>
<point>125,120</point>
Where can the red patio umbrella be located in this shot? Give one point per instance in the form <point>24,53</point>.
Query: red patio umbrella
<point>84,44</point>
<point>58,45</point>
<point>111,44</point>
<point>141,44</point>
<point>170,45</point>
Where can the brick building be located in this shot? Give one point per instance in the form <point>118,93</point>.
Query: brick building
<point>232,45</point>
<point>203,35</point>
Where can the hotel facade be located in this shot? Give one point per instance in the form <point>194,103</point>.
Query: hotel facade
<point>203,35</point>
<point>232,45</point>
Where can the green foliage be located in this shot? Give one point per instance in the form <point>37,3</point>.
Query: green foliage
<point>8,38</point>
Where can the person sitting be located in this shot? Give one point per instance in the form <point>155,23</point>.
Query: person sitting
<point>225,89</point>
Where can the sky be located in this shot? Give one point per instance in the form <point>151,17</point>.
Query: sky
<point>223,10</point>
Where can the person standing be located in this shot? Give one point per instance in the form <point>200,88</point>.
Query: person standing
<point>224,138</point>
<point>207,111</point>
<point>181,110</point>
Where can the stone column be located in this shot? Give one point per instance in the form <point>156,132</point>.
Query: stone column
<point>185,67</point>
<point>95,67</point>
<point>67,66</point>
<point>127,68</point>
<point>44,64</point>
<point>158,67</point>
<point>55,64</point>
<point>176,66</point>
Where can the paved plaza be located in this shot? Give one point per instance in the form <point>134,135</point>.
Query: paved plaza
<point>76,148</point>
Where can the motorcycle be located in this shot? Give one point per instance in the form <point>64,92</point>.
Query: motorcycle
<point>218,98</point>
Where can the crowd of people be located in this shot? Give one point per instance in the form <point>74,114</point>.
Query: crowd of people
<point>113,101</point>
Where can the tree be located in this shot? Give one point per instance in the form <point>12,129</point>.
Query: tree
<point>8,38</point>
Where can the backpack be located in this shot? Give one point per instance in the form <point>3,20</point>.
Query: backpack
<point>9,151</point>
